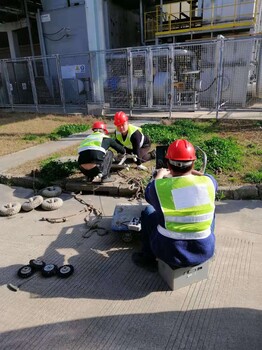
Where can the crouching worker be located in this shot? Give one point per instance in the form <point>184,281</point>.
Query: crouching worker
<point>133,139</point>
<point>94,158</point>
<point>178,226</point>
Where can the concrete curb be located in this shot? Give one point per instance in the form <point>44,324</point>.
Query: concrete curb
<point>122,190</point>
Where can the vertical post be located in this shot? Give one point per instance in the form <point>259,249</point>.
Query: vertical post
<point>32,80</point>
<point>171,78</point>
<point>141,23</point>
<point>60,82</point>
<point>130,84</point>
<point>150,77</point>
<point>8,85</point>
<point>221,44</point>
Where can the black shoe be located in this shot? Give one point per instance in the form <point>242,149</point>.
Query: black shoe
<point>149,264</point>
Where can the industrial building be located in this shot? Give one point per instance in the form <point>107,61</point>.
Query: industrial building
<point>29,28</point>
<point>142,54</point>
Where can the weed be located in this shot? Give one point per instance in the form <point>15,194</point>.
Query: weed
<point>223,154</point>
<point>254,177</point>
<point>67,130</point>
<point>30,137</point>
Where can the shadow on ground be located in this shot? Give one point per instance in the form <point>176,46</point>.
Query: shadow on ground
<point>228,328</point>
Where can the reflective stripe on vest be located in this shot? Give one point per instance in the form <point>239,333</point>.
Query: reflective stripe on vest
<point>92,142</point>
<point>188,204</point>
<point>127,142</point>
<point>183,236</point>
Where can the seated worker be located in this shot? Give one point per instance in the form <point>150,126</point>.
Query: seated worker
<point>133,139</point>
<point>178,226</point>
<point>94,158</point>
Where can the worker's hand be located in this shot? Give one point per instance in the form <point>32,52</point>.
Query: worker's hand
<point>120,158</point>
<point>161,173</point>
<point>141,167</point>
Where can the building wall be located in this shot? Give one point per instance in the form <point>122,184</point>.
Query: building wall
<point>123,27</point>
<point>71,39</point>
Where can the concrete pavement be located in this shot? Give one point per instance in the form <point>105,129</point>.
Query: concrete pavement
<point>109,303</point>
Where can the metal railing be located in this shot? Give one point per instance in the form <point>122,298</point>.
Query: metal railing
<point>185,17</point>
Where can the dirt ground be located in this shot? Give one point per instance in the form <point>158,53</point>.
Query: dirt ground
<point>15,128</point>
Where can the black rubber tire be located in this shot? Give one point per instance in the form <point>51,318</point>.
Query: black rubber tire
<point>65,271</point>
<point>127,237</point>
<point>49,270</point>
<point>25,271</point>
<point>37,264</point>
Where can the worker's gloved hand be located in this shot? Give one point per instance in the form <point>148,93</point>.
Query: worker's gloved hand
<point>120,158</point>
<point>141,167</point>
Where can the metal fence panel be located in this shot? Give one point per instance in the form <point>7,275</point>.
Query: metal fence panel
<point>46,81</point>
<point>219,74</point>
<point>20,82</point>
<point>116,80</point>
<point>75,75</point>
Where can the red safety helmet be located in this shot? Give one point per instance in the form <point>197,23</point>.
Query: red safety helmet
<point>181,150</point>
<point>120,118</point>
<point>100,125</point>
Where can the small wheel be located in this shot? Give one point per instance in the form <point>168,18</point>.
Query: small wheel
<point>10,209</point>
<point>37,264</point>
<point>25,271</point>
<point>52,203</point>
<point>32,203</point>
<point>127,237</point>
<point>51,191</point>
<point>49,270</point>
<point>65,271</point>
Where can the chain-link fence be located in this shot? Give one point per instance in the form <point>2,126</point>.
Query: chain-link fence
<point>215,75</point>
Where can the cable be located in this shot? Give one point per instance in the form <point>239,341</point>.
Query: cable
<point>55,32</point>
<point>56,39</point>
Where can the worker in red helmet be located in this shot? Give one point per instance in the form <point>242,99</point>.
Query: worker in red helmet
<point>132,138</point>
<point>178,225</point>
<point>95,158</point>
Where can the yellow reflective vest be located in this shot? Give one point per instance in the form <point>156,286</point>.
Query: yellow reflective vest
<point>188,205</point>
<point>127,142</point>
<point>93,142</point>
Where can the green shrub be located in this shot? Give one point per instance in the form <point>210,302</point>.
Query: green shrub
<point>67,130</point>
<point>52,169</point>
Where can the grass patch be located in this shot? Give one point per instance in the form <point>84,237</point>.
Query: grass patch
<point>233,147</point>
<point>254,177</point>
<point>52,169</point>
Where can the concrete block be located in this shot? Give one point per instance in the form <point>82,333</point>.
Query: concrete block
<point>246,192</point>
<point>182,277</point>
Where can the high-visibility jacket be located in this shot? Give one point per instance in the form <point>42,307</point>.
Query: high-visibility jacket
<point>127,142</point>
<point>188,204</point>
<point>93,142</point>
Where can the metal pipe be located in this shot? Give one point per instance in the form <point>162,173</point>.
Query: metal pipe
<point>141,22</point>
<point>29,28</point>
